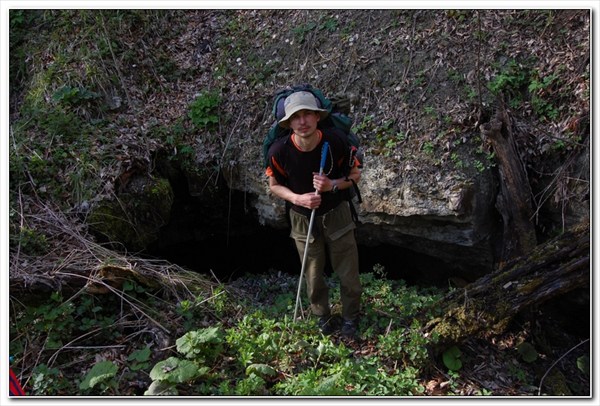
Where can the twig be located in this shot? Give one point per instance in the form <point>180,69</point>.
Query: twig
<point>437,65</point>
<point>53,357</point>
<point>215,276</point>
<point>389,327</point>
<point>552,187</point>
<point>229,204</point>
<point>556,362</point>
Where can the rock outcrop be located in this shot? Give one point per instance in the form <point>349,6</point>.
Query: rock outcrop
<point>447,217</point>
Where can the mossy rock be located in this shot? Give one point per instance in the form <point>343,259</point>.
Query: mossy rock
<point>135,217</point>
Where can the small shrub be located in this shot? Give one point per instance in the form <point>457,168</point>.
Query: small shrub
<point>31,241</point>
<point>49,382</point>
<point>203,110</point>
<point>202,345</point>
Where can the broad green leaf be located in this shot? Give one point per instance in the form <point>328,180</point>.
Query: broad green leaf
<point>161,388</point>
<point>140,355</point>
<point>175,370</point>
<point>261,370</point>
<point>52,344</point>
<point>583,363</point>
<point>193,342</point>
<point>528,353</point>
<point>101,372</point>
<point>321,349</point>
<point>331,386</point>
<point>301,344</point>
<point>452,358</point>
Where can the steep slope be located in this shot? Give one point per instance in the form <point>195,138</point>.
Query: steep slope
<point>114,98</point>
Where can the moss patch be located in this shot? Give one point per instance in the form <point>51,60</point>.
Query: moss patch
<point>136,216</point>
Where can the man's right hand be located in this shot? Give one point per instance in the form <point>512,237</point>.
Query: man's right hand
<point>308,200</point>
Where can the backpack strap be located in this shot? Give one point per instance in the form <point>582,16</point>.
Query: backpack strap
<point>353,212</point>
<point>356,189</point>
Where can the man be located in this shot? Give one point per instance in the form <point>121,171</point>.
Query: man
<point>293,172</point>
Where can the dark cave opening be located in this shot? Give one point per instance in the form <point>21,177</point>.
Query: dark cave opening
<point>260,249</point>
<point>220,237</point>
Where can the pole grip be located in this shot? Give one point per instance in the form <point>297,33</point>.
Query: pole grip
<point>323,156</point>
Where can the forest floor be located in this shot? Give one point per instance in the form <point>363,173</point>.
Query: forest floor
<point>496,365</point>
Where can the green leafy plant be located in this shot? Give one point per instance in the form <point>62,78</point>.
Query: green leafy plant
<point>458,162</point>
<point>365,124</point>
<point>315,383</point>
<point>172,371</point>
<point>388,137</point>
<point>47,381</point>
<point>139,359</point>
<point>31,241</point>
<point>262,370</point>
<point>480,166</point>
<point>527,352</point>
<point>102,374</point>
<point>220,299</point>
<point>260,354</point>
<point>53,320</point>
<point>518,373</point>
<point>74,96</point>
<point>258,339</point>
<point>406,346</point>
<point>429,110</point>
<point>428,147</point>
<point>512,79</point>
<point>542,95</point>
<point>301,31</point>
<point>453,381</point>
<point>451,358</point>
<point>559,145</point>
<point>484,392</point>
<point>583,363</point>
<point>267,357</point>
<point>201,345</point>
<point>252,385</point>
<point>203,110</point>
<point>330,24</point>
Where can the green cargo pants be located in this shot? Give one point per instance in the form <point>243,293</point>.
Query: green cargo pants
<point>333,235</point>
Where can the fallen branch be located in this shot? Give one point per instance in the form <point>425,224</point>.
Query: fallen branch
<point>486,306</point>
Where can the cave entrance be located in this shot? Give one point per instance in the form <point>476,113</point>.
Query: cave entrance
<point>221,237</point>
<point>260,249</point>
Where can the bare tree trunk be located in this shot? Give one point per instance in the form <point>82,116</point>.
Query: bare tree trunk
<point>487,305</point>
<point>514,200</point>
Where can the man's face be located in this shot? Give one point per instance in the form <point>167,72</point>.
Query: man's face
<point>304,122</point>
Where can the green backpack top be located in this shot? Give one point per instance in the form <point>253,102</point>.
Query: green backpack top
<point>337,118</point>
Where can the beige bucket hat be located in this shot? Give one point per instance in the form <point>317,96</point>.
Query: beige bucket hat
<point>300,101</point>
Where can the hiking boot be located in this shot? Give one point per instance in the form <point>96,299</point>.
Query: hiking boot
<point>326,325</point>
<point>349,328</point>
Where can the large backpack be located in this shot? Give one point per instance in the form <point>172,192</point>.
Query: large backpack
<point>338,121</point>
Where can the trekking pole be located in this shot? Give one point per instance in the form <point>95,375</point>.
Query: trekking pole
<point>310,226</point>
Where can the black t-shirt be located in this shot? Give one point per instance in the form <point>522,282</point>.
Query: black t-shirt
<point>294,168</point>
